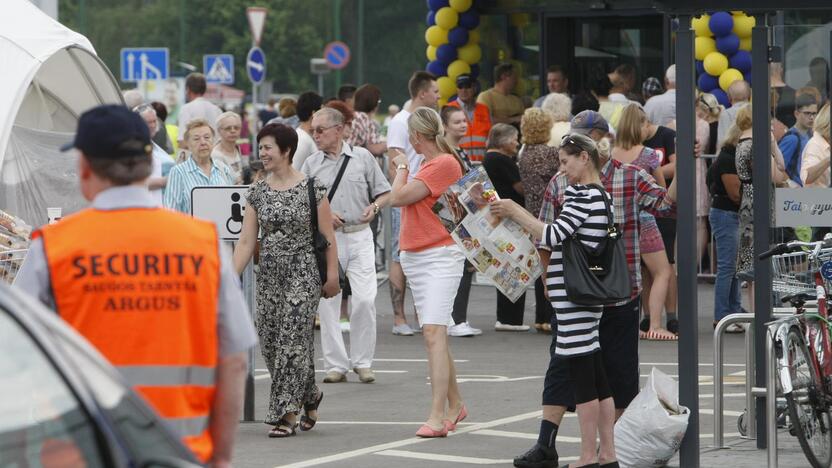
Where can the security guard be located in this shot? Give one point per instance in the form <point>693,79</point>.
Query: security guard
<point>167,311</point>
<point>477,114</point>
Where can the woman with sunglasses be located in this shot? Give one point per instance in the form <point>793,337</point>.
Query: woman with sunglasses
<point>583,215</point>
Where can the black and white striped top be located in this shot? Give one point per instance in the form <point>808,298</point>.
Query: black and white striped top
<point>583,210</point>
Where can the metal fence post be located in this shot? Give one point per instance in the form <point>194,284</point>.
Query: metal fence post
<point>750,372</point>
<point>248,284</point>
<point>761,167</point>
<point>687,242</point>
<point>771,401</point>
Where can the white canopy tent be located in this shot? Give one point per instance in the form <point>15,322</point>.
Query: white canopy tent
<point>51,75</point>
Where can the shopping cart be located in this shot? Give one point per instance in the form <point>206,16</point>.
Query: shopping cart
<point>10,262</point>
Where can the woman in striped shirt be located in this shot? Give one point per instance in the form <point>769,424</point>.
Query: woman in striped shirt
<point>583,216</point>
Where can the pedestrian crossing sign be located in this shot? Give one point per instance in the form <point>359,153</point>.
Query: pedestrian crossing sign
<point>218,68</point>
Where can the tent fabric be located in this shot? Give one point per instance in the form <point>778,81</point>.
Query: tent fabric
<point>50,76</point>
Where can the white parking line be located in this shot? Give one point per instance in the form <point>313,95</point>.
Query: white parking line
<point>444,458</point>
<point>701,364</point>
<point>404,360</point>
<point>724,413</point>
<point>561,438</point>
<point>388,423</point>
<point>409,441</point>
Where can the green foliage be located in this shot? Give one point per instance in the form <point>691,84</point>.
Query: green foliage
<point>295,31</point>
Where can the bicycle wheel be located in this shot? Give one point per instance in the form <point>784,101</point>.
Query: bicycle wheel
<point>807,410</point>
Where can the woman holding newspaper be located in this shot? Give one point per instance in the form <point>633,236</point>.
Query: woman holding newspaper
<point>584,215</point>
<point>431,260</point>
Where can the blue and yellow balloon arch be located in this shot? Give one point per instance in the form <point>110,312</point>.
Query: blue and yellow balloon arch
<point>453,43</point>
<point>723,51</point>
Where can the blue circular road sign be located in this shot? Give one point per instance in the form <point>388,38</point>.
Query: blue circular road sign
<point>256,65</point>
<point>337,55</point>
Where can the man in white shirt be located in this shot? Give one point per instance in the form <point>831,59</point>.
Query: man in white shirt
<point>661,109</point>
<point>308,103</point>
<point>423,93</point>
<point>162,162</point>
<point>739,93</point>
<point>197,107</point>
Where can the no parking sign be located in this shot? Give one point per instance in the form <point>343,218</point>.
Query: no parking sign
<point>337,55</point>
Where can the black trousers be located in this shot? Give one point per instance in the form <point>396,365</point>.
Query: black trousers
<point>460,313</point>
<point>510,313</point>
<point>542,306</point>
<point>618,336</point>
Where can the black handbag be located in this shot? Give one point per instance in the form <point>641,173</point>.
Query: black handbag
<point>599,276</point>
<point>319,242</point>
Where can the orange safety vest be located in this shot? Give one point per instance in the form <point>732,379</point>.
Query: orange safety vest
<point>148,302</point>
<point>474,141</point>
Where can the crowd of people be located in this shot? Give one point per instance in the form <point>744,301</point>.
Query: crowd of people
<point>564,167</point>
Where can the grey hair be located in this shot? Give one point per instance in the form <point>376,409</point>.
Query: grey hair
<point>226,115</point>
<point>133,98</point>
<point>559,106</point>
<point>500,135</point>
<point>333,115</point>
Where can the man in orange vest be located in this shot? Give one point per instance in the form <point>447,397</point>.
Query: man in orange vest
<point>167,311</point>
<point>478,115</point>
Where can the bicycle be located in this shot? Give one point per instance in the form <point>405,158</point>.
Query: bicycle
<point>802,343</point>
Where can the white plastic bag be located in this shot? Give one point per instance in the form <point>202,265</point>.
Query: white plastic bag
<point>650,431</point>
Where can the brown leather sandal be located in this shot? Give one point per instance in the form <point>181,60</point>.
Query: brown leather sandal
<point>283,429</point>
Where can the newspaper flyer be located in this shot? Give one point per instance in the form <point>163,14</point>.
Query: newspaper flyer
<point>499,249</point>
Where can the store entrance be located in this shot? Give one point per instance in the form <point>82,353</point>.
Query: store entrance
<point>584,45</point>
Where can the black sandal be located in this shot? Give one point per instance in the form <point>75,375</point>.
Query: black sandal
<point>673,326</point>
<point>282,429</point>
<point>307,423</point>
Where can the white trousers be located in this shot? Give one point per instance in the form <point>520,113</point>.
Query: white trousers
<point>356,253</point>
<point>433,275</point>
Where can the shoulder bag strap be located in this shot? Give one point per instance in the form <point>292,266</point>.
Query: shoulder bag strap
<point>610,220</point>
<point>313,207</point>
<point>338,177</point>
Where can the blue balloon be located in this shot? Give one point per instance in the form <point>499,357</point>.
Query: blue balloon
<point>446,54</point>
<point>469,19</point>
<point>475,71</point>
<point>747,77</point>
<point>741,61</point>
<point>435,5</point>
<point>431,18</point>
<point>721,97</point>
<point>721,23</point>
<point>437,68</point>
<point>707,82</point>
<point>700,67</point>
<point>728,45</point>
<point>458,36</point>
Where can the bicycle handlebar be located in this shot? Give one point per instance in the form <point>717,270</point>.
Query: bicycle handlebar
<point>795,246</point>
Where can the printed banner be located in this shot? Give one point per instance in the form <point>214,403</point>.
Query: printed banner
<point>499,249</point>
<point>795,207</point>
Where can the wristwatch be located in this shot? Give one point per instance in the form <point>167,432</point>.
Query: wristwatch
<point>402,166</point>
<point>376,208</point>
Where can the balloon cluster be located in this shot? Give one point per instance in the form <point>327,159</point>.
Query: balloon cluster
<point>453,43</point>
<point>723,51</point>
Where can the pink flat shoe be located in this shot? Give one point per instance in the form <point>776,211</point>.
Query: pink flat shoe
<point>451,425</point>
<point>428,432</point>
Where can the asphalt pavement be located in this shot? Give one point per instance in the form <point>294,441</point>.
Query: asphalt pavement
<point>501,378</point>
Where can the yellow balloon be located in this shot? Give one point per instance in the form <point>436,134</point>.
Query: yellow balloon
<point>743,25</point>
<point>470,54</point>
<point>431,53</point>
<point>703,46</point>
<point>461,5</point>
<point>729,76</point>
<point>715,63</point>
<point>474,36</point>
<point>458,67</point>
<point>442,103</point>
<point>447,87</point>
<point>436,36</point>
<point>447,18</point>
<point>522,87</point>
<point>700,26</point>
<point>745,43</point>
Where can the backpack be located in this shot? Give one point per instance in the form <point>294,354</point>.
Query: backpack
<point>793,160</point>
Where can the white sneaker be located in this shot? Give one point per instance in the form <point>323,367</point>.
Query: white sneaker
<point>345,326</point>
<point>513,328</point>
<point>402,330</point>
<point>463,329</point>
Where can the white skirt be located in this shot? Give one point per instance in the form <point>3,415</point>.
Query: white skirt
<point>433,276</point>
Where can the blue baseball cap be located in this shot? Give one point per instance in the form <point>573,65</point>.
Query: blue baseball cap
<point>111,132</point>
<point>589,120</point>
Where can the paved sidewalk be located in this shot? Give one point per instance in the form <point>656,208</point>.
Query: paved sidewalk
<point>743,453</point>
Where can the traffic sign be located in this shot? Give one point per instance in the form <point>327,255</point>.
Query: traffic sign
<point>225,206</point>
<point>144,63</point>
<point>256,22</point>
<point>337,54</point>
<point>218,68</point>
<point>256,65</point>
